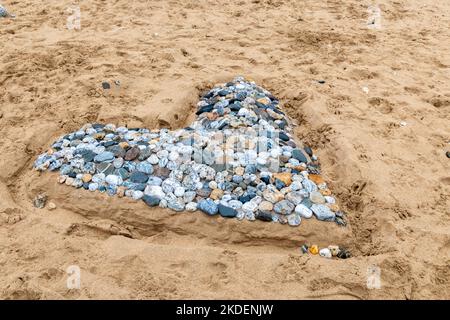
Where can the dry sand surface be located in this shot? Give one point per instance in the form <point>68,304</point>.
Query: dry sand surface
<point>382,149</point>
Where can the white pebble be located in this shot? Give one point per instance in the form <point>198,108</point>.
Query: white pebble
<point>325,252</point>
<point>303,211</point>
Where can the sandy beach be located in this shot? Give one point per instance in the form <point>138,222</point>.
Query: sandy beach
<point>373,101</point>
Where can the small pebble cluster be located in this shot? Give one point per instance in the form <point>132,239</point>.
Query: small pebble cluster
<point>329,252</point>
<point>237,159</point>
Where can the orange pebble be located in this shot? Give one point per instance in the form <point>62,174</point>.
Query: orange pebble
<point>285,177</point>
<point>325,192</point>
<point>316,178</point>
<point>334,207</point>
<point>314,249</point>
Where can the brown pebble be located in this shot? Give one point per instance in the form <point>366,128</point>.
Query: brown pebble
<point>161,172</point>
<point>132,154</point>
<point>121,191</point>
<point>316,178</point>
<point>285,177</point>
<point>99,135</point>
<point>124,145</point>
<point>86,177</point>
<point>216,194</point>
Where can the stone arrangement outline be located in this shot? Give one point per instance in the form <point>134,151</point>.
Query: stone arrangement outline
<point>237,159</point>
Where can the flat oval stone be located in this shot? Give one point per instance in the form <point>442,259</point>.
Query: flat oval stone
<point>316,197</point>
<point>283,136</point>
<point>154,181</point>
<point>264,216</point>
<point>161,172</point>
<point>104,157</point>
<point>322,212</point>
<point>144,154</point>
<point>227,212</point>
<point>298,154</point>
<point>303,211</point>
<point>138,177</point>
<point>207,108</point>
<point>118,163</point>
<point>105,168</point>
<point>113,180</point>
<point>151,201</point>
<point>284,207</point>
<point>132,153</point>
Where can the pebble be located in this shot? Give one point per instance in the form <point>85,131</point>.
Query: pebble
<point>272,195</point>
<point>104,157</point>
<point>265,206</point>
<point>294,220</point>
<point>175,204</point>
<point>295,197</point>
<point>316,197</point>
<point>51,206</point>
<point>191,206</point>
<point>208,206</point>
<point>132,154</point>
<point>138,177</point>
<point>298,155</point>
<point>322,212</point>
<point>284,177</point>
<point>284,207</point>
<point>151,201</point>
<point>40,200</point>
<point>303,211</point>
<point>113,180</point>
<point>325,252</point>
<point>343,254</point>
<point>238,158</point>
<point>304,248</point>
<point>154,191</point>
<point>314,249</point>
<point>226,211</point>
<point>264,216</point>
<point>334,250</point>
<point>144,167</point>
<point>137,194</point>
<point>179,191</point>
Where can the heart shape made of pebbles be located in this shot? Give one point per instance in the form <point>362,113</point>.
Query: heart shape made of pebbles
<point>237,159</point>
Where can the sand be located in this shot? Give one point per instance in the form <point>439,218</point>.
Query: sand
<point>379,124</point>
